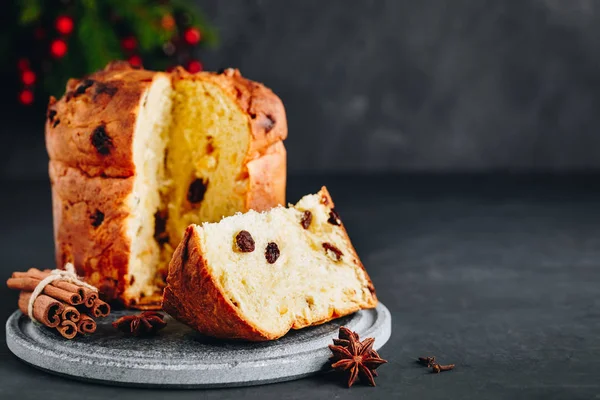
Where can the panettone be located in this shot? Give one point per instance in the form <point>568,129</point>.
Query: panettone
<point>255,276</point>
<point>136,156</point>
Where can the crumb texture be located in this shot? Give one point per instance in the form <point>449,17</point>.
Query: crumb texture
<point>206,178</point>
<point>290,281</point>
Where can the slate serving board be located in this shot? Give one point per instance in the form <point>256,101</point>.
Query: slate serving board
<point>181,357</point>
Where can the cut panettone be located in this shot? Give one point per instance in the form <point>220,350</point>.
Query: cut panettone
<point>255,276</point>
<point>136,156</point>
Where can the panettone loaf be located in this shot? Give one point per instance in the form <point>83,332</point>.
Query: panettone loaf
<point>255,276</point>
<point>136,156</point>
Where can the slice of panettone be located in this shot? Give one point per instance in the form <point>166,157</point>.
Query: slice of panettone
<point>255,276</point>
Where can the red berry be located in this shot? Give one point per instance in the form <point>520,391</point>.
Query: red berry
<point>28,77</point>
<point>58,48</point>
<point>129,43</point>
<point>23,64</point>
<point>26,97</point>
<point>135,61</point>
<point>194,66</point>
<point>192,36</point>
<point>64,24</point>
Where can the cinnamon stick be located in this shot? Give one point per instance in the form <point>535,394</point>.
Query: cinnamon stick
<point>86,325</point>
<point>100,309</point>
<point>89,297</point>
<point>71,314</point>
<point>29,284</point>
<point>39,275</point>
<point>46,310</point>
<point>68,329</point>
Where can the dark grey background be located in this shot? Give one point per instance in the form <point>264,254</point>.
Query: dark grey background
<point>429,85</point>
<point>499,275</point>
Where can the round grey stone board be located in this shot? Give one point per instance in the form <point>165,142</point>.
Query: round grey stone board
<point>180,357</point>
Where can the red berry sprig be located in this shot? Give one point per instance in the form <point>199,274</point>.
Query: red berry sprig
<point>58,48</point>
<point>192,36</point>
<point>129,43</point>
<point>64,24</point>
<point>135,61</point>
<point>26,97</point>
<point>194,66</point>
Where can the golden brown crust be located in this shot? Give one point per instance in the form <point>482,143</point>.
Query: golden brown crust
<point>89,138</point>
<point>92,126</point>
<point>195,297</point>
<point>267,176</point>
<point>210,313</point>
<point>90,226</point>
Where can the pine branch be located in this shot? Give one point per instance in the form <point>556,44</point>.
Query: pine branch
<point>31,11</point>
<point>144,20</point>
<point>97,38</point>
<point>209,34</point>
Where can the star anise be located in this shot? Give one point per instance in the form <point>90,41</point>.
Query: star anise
<point>144,324</point>
<point>356,357</point>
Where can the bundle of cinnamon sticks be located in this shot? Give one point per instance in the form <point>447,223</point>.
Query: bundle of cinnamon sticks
<point>67,307</point>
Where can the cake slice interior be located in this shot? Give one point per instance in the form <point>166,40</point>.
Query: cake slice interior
<point>283,269</point>
<point>190,143</point>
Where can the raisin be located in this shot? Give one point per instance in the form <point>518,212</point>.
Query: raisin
<point>306,219</point>
<point>97,218</point>
<point>101,141</point>
<point>371,288</point>
<point>331,249</point>
<point>56,122</point>
<point>196,191</point>
<point>51,115</point>
<point>324,200</point>
<point>132,280</point>
<point>238,93</point>
<point>268,123</point>
<point>210,147</point>
<point>272,252</point>
<point>334,218</point>
<point>160,227</point>
<point>83,87</point>
<point>104,88</point>
<point>244,242</point>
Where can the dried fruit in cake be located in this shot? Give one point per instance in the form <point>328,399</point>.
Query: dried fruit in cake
<point>114,147</point>
<point>302,277</point>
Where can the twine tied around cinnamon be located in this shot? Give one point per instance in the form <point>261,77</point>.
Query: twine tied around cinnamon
<point>67,275</point>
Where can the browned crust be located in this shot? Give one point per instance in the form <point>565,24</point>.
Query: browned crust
<point>112,101</point>
<point>264,108</point>
<point>267,176</point>
<point>195,297</point>
<point>81,174</point>
<point>97,244</point>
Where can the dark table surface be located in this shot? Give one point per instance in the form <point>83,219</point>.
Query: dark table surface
<point>497,274</point>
